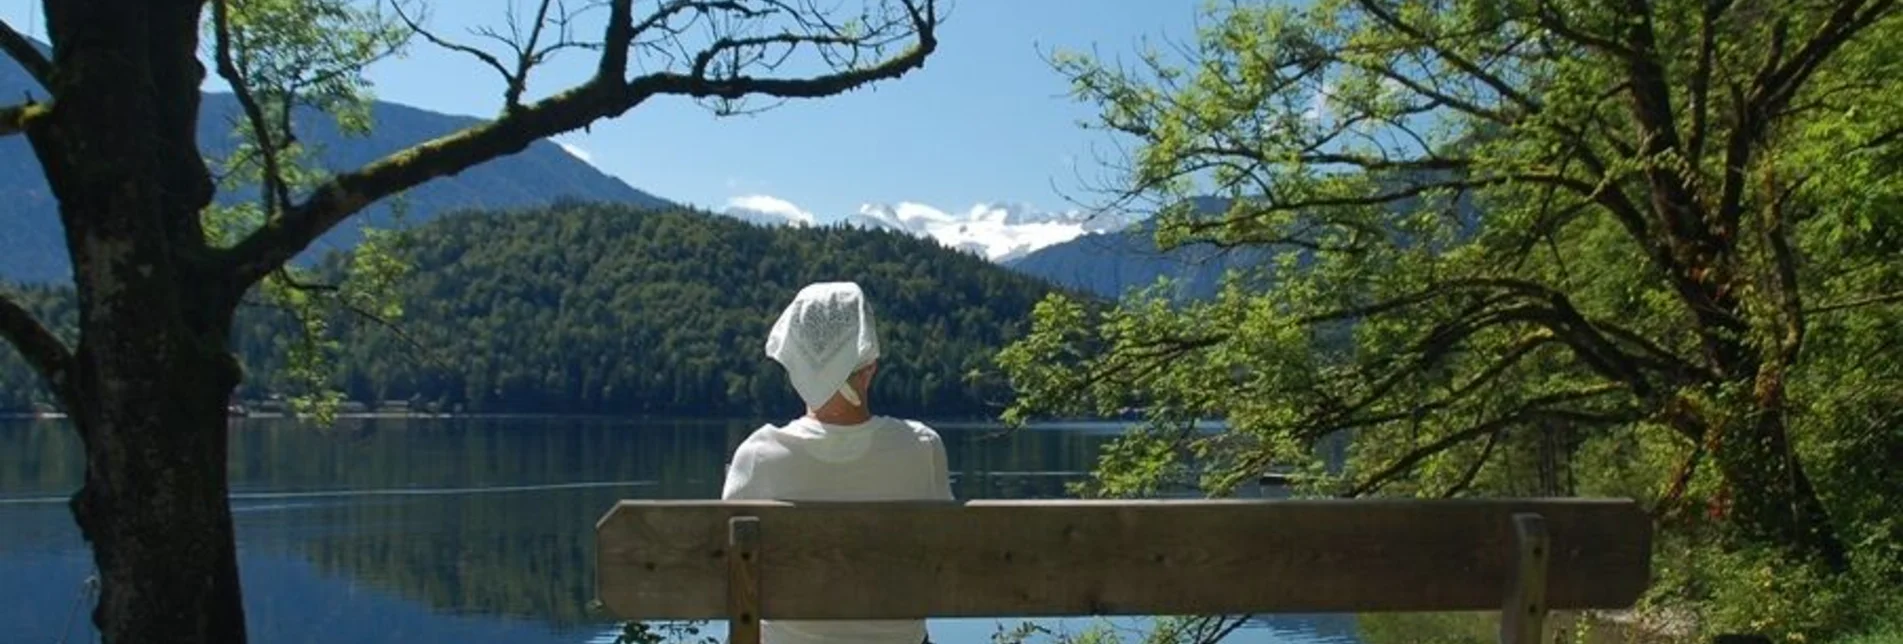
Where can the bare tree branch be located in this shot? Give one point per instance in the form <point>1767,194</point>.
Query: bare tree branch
<point>484,57</point>
<point>603,96</point>
<point>529,54</point>
<point>48,355</point>
<point>23,51</point>
<point>525,46</point>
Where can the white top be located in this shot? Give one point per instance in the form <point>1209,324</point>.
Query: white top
<point>883,459</point>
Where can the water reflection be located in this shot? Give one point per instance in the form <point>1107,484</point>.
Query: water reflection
<point>449,529</point>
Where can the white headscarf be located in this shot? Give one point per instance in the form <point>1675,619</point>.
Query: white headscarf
<point>822,338</point>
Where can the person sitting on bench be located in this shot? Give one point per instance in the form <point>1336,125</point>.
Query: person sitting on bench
<point>840,450</point>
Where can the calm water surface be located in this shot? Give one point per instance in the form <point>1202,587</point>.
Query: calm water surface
<point>462,530</point>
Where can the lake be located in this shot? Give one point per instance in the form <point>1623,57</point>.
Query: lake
<point>469,529</point>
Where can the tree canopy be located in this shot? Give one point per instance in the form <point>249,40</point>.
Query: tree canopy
<point>1644,248</point>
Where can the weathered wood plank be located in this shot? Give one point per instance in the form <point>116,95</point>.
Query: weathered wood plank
<point>743,580</point>
<point>1523,615</point>
<point>901,560</point>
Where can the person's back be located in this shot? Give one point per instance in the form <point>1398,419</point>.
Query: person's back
<point>882,459</point>
<point>839,451</point>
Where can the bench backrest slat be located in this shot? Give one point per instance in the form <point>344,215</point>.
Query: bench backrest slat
<point>898,560</point>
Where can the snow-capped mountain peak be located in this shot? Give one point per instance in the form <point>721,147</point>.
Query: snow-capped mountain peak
<point>905,216</point>
<point>998,231</point>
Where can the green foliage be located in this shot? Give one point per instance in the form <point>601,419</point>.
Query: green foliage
<point>307,53</point>
<point>290,55</point>
<point>1890,631</point>
<point>609,309</point>
<point>1762,591</point>
<point>1525,249</point>
<point>585,309</point>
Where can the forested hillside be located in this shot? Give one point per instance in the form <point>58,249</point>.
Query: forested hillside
<point>611,309</point>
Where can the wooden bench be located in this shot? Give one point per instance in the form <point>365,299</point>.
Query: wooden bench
<point>743,561</point>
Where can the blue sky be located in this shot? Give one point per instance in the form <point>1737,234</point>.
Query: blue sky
<point>985,120</point>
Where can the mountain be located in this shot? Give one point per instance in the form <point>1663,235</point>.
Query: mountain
<point>32,248</point>
<point>1098,254</point>
<point>999,232</point>
<point>607,308</point>
<point>1112,264</point>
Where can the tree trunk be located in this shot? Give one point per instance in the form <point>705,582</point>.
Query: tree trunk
<point>154,504</point>
<point>153,376</point>
<point>152,372</point>
<point>1772,498</point>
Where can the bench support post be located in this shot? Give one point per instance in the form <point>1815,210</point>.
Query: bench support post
<point>1523,617</point>
<point>743,580</point>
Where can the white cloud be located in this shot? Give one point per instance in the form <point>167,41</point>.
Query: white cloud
<point>769,210</point>
<point>577,152</point>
